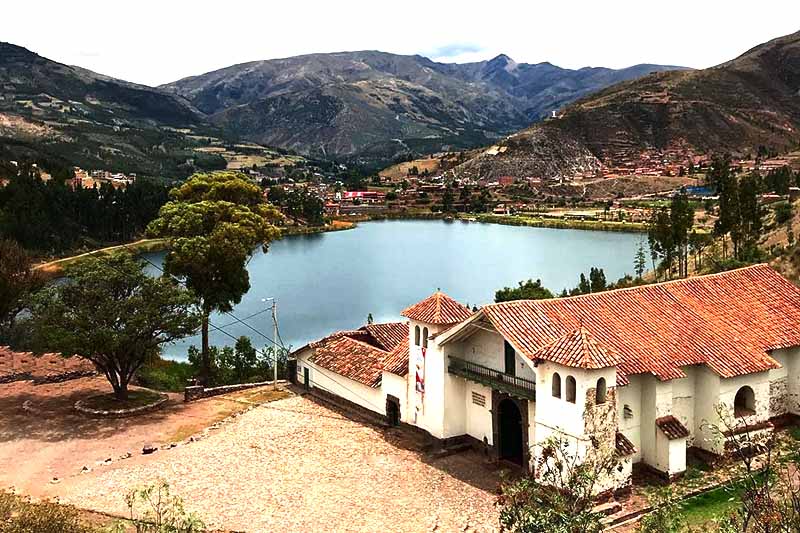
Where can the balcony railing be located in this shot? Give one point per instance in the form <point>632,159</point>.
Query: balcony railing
<point>516,386</point>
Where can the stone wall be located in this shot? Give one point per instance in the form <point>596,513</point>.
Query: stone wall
<point>778,398</point>
<point>198,392</point>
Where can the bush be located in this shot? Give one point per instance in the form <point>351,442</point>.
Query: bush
<point>20,515</point>
<point>783,212</point>
<point>165,375</point>
<point>153,509</point>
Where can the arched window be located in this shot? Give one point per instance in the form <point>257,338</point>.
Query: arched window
<point>600,391</point>
<point>424,337</point>
<point>416,335</point>
<point>556,385</point>
<point>745,402</point>
<point>570,389</point>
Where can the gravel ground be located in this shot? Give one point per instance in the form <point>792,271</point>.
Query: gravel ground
<point>293,465</point>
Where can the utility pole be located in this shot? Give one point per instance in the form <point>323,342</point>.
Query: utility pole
<point>275,343</point>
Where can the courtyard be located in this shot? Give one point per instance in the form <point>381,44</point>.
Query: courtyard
<point>281,465</point>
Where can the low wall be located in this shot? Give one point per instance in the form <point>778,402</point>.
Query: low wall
<point>198,392</point>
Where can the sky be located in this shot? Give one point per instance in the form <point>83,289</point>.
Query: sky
<point>158,41</point>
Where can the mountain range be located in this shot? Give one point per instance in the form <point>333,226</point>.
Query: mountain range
<point>378,105</point>
<point>74,116</point>
<point>375,107</point>
<point>747,106</point>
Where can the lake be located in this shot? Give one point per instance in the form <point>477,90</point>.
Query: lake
<point>332,281</point>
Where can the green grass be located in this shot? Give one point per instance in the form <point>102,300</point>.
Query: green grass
<point>709,506</point>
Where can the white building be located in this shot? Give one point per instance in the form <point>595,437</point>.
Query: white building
<point>646,372</point>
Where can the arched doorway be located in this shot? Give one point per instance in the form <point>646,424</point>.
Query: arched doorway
<point>510,434</point>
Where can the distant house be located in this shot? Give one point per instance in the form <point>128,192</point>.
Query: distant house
<point>643,372</point>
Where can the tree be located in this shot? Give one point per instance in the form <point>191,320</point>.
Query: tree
<point>640,262</point>
<point>213,223</point>
<point>660,238</point>
<point>17,282</point>
<point>112,313</point>
<point>447,199</point>
<point>153,509</point>
<point>597,280</point>
<point>666,516</point>
<point>770,496</point>
<point>528,290</point>
<point>681,214</point>
<point>560,499</point>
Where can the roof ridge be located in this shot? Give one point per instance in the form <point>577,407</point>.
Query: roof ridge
<point>342,337</point>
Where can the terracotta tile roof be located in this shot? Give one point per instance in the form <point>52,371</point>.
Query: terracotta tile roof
<point>438,308</point>
<point>728,321</point>
<point>579,349</point>
<point>397,360</point>
<point>363,354</point>
<point>624,446</point>
<point>350,358</point>
<point>672,428</point>
<point>388,335</point>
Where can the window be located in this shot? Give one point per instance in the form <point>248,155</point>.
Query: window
<point>511,369</point>
<point>745,402</point>
<point>556,385</point>
<point>600,391</point>
<point>570,389</point>
<point>627,412</point>
<point>416,335</point>
<point>424,337</point>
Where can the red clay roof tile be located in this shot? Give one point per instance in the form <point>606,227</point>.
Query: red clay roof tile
<point>728,321</point>
<point>672,427</point>
<point>363,354</point>
<point>624,447</point>
<point>579,349</point>
<point>388,335</point>
<point>438,308</point>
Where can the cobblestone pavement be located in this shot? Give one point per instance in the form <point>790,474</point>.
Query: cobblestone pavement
<point>293,465</point>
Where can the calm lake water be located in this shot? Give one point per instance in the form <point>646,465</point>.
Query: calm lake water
<point>332,281</point>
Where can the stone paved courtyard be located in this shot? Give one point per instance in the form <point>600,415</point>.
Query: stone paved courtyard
<point>293,465</point>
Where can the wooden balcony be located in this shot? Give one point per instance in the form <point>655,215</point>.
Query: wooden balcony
<point>516,386</point>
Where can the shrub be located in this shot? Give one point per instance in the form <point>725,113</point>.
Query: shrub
<point>153,509</point>
<point>20,515</point>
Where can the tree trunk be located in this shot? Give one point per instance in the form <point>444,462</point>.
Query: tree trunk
<point>121,392</point>
<point>205,364</point>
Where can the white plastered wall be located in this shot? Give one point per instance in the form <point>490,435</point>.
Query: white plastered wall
<point>397,386</point>
<point>631,396</point>
<point>428,410</point>
<point>479,418</point>
<point>358,393</point>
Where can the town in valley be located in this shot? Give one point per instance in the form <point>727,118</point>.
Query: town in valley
<point>270,285</point>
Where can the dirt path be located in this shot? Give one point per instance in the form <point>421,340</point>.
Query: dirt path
<point>53,268</point>
<point>42,437</point>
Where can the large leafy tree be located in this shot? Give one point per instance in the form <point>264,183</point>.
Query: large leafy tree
<point>17,281</point>
<point>213,224</point>
<point>525,290</point>
<point>112,313</point>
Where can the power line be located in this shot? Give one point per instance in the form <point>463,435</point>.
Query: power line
<point>229,313</point>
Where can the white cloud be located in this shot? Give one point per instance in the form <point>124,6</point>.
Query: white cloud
<point>157,41</point>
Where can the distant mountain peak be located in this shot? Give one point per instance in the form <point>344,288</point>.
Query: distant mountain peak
<point>503,61</point>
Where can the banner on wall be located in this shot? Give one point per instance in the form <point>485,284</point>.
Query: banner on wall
<point>421,371</point>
